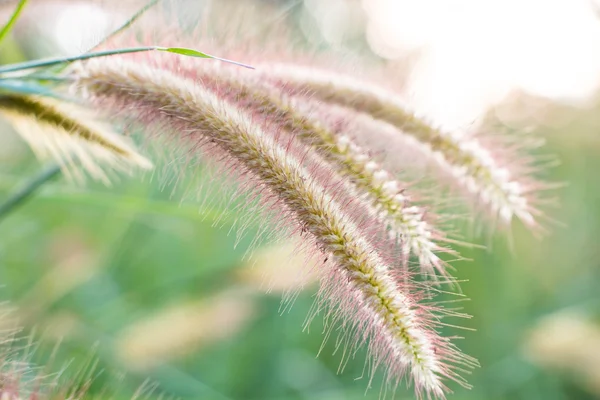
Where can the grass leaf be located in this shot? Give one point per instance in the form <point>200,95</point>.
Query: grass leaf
<point>13,18</point>
<point>195,53</point>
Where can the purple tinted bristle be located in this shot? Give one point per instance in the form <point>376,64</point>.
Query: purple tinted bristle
<point>361,290</point>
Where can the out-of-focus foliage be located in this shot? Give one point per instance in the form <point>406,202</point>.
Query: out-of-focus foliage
<point>157,287</point>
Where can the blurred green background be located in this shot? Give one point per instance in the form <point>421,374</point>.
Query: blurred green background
<point>153,285</point>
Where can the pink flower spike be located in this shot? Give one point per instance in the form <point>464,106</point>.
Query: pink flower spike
<point>361,289</point>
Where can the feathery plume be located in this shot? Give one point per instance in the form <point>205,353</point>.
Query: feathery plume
<point>69,134</point>
<point>372,301</point>
<point>328,133</point>
<point>472,165</point>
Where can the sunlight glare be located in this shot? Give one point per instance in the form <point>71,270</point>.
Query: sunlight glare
<point>472,53</point>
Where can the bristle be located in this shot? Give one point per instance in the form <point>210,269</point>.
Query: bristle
<point>387,199</point>
<point>68,134</point>
<point>358,284</point>
<point>462,159</point>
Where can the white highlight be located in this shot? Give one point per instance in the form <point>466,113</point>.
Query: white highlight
<point>483,49</point>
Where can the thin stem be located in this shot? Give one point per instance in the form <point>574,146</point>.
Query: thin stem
<point>106,38</point>
<point>21,195</point>
<point>127,23</point>
<point>13,18</point>
<point>48,62</point>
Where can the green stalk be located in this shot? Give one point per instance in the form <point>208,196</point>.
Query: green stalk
<point>126,24</point>
<point>49,62</point>
<point>21,195</point>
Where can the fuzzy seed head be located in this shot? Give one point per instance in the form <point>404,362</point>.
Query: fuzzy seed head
<point>473,167</point>
<point>358,284</point>
<point>70,135</point>
<point>369,180</point>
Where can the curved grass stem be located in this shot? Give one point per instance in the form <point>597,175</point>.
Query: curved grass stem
<point>49,62</point>
<point>28,189</point>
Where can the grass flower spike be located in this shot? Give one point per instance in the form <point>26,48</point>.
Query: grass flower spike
<point>323,156</point>
<point>328,134</point>
<point>362,288</point>
<point>472,165</point>
<point>69,135</point>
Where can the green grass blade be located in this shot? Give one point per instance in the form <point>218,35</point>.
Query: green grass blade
<point>13,18</point>
<point>195,53</point>
<point>49,62</point>
<point>25,192</point>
